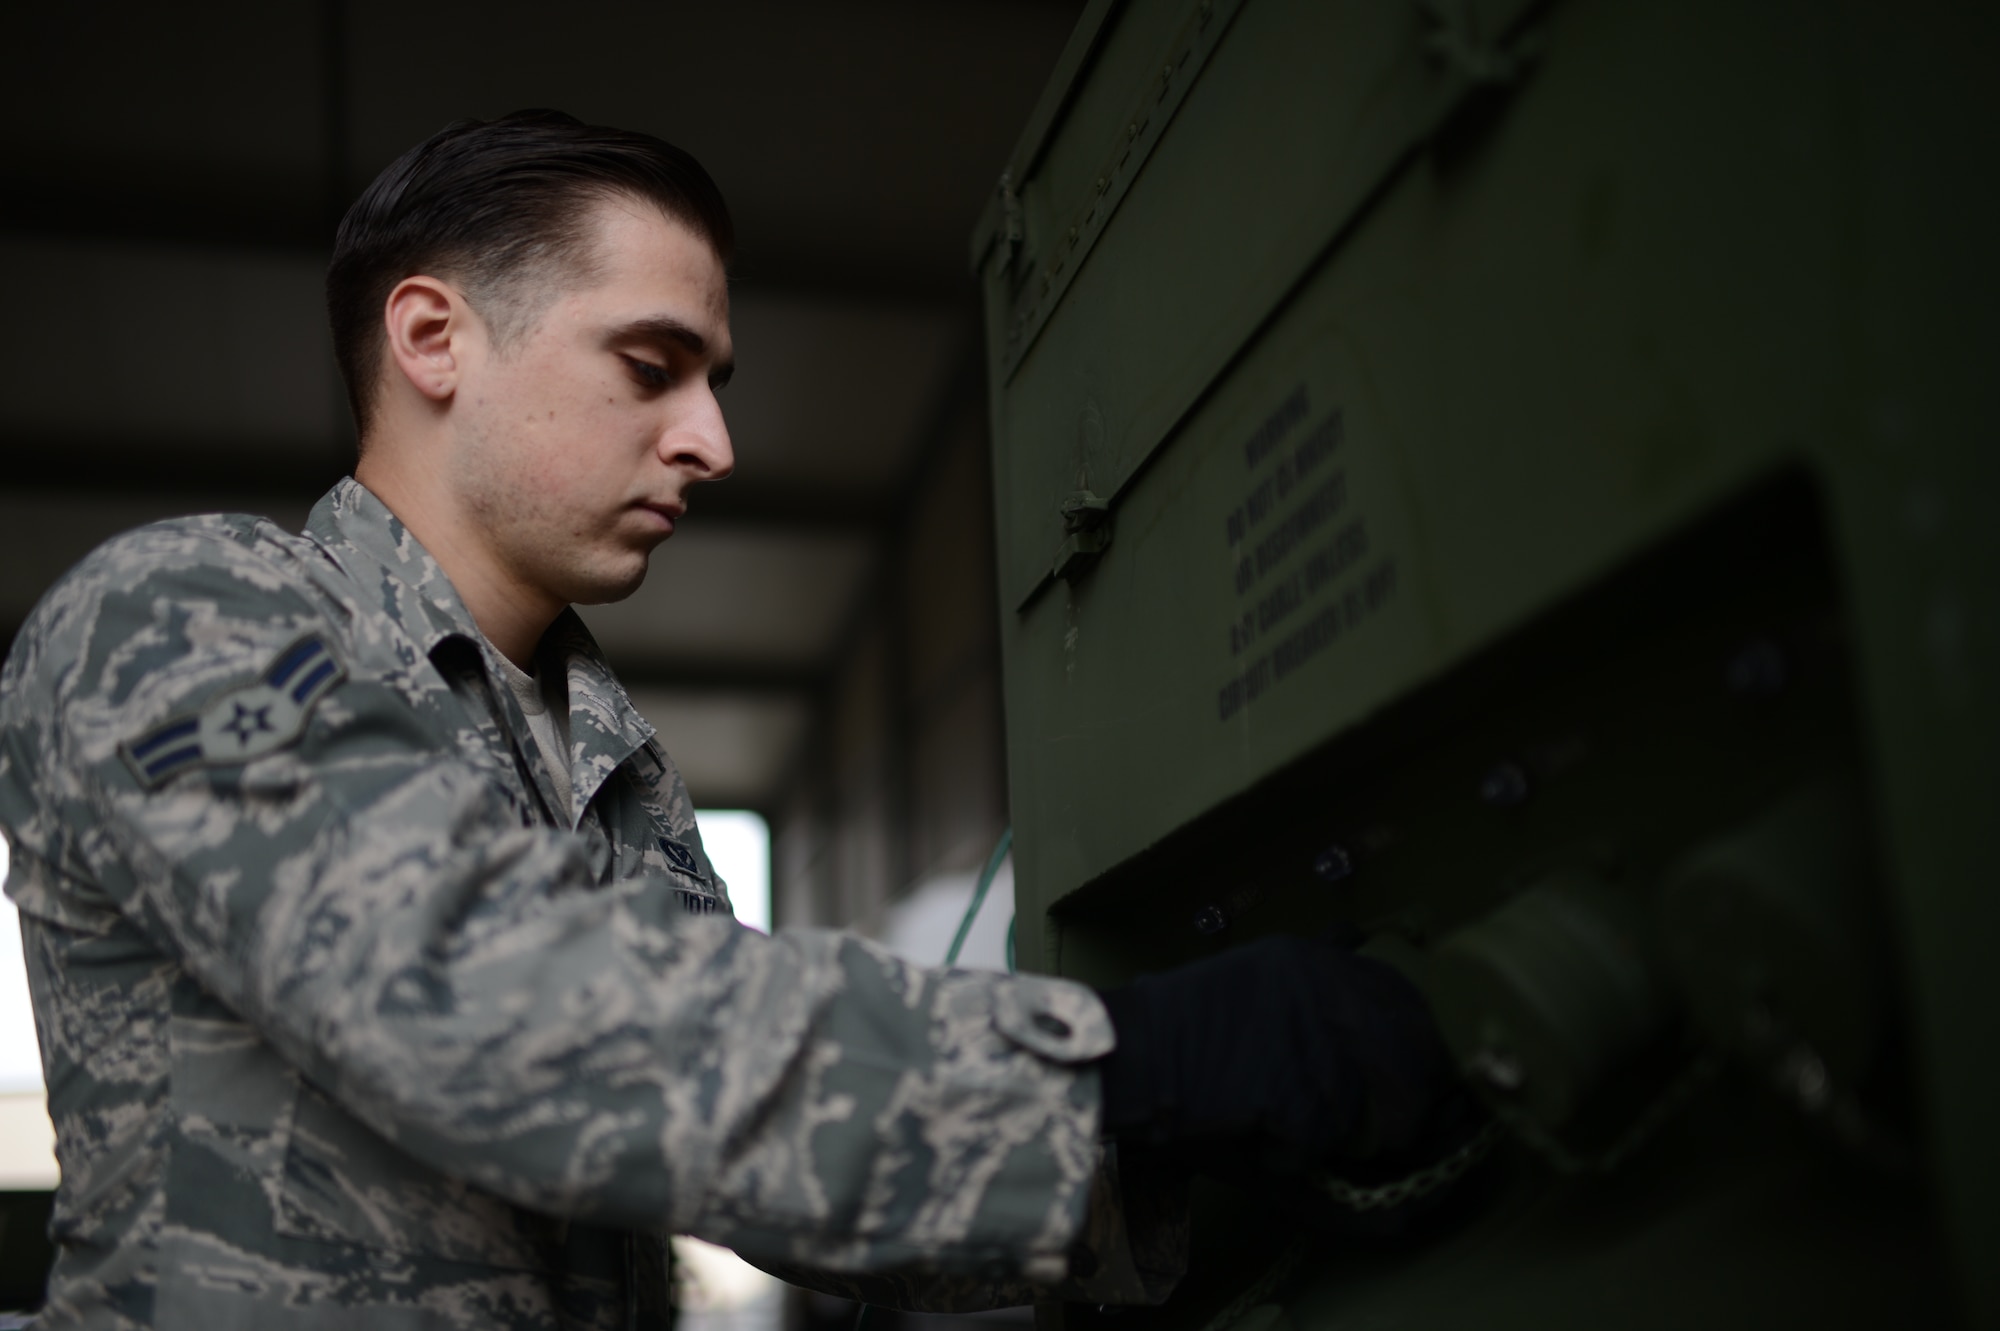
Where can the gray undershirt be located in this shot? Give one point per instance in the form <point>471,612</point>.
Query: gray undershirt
<point>546,705</point>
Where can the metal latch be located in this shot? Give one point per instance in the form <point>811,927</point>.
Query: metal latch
<point>1086,532</point>
<point>1012,225</point>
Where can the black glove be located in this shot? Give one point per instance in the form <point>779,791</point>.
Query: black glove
<point>1280,1055</point>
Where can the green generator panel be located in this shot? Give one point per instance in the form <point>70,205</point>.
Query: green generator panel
<point>1514,478</point>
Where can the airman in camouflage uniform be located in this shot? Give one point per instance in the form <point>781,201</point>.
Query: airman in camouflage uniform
<point>344,1026</point>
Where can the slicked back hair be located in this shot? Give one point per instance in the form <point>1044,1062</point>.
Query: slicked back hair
<point>503,209</point>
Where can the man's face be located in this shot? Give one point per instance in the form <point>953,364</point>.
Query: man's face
<point>575,444</point>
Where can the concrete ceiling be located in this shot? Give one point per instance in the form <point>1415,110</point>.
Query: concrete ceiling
<point>173,174</point>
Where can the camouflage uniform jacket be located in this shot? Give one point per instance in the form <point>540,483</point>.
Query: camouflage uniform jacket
<point>342,1027</point>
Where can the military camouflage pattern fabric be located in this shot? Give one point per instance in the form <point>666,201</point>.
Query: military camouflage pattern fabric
<point>1132,1250</point>
<point>343,1027</point>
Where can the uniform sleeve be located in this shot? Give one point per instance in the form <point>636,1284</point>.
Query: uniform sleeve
<point>368,898</point>
<point>1132,1250</point>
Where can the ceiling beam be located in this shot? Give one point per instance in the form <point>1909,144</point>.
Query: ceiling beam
<point>59,207</point>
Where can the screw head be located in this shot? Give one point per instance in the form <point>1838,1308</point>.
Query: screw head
<point>1504,786</point>
<point>1333,863</point>
<point>1210,920</point>
<point>1498,1069</point>
<point>1809,1080</point>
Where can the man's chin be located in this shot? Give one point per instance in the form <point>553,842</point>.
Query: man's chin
<point>605,586</point>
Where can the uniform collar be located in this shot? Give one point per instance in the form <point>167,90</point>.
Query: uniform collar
<point>604,728</point>
<point>399,577</point>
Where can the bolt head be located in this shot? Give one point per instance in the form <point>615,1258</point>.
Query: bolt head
<point>1333,864</point>
<point>1810,1081</point>
<point>1210,920</point>
<point>1500,1070</point>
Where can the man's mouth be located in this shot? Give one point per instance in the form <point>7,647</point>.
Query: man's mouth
<point>668,514</point>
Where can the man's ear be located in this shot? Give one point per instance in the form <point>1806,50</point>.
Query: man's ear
<point>426,322</point>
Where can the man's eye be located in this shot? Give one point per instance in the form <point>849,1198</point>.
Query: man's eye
<point>649,374</point>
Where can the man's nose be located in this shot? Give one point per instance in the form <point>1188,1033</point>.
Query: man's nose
<point>699,441</point>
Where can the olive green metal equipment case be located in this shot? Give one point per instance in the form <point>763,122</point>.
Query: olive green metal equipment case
<point>1514,477</point>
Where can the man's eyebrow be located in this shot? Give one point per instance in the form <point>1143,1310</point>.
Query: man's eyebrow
<point>663,330</point>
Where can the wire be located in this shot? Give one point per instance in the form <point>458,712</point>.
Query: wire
<point>993,863</point>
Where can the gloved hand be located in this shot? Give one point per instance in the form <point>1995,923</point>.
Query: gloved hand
<point>1280,1056</point>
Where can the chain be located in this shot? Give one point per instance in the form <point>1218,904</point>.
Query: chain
<point>1425,1181</point>
<point>1698,1073</point>
<point>1357,1198</point>
<point>1794,1065</point>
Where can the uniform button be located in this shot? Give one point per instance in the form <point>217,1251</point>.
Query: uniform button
<point>1049,1023</point>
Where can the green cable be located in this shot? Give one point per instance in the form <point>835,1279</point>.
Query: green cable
<point>993,863</point>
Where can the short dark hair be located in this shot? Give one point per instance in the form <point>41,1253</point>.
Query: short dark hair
<point>500,207</point>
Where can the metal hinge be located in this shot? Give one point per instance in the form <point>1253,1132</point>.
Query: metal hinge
<point>1086,522</point>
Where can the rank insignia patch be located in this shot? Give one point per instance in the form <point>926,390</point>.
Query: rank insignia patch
<point>696,901</point>
<point>680,857</point>
<point>244,723</point>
